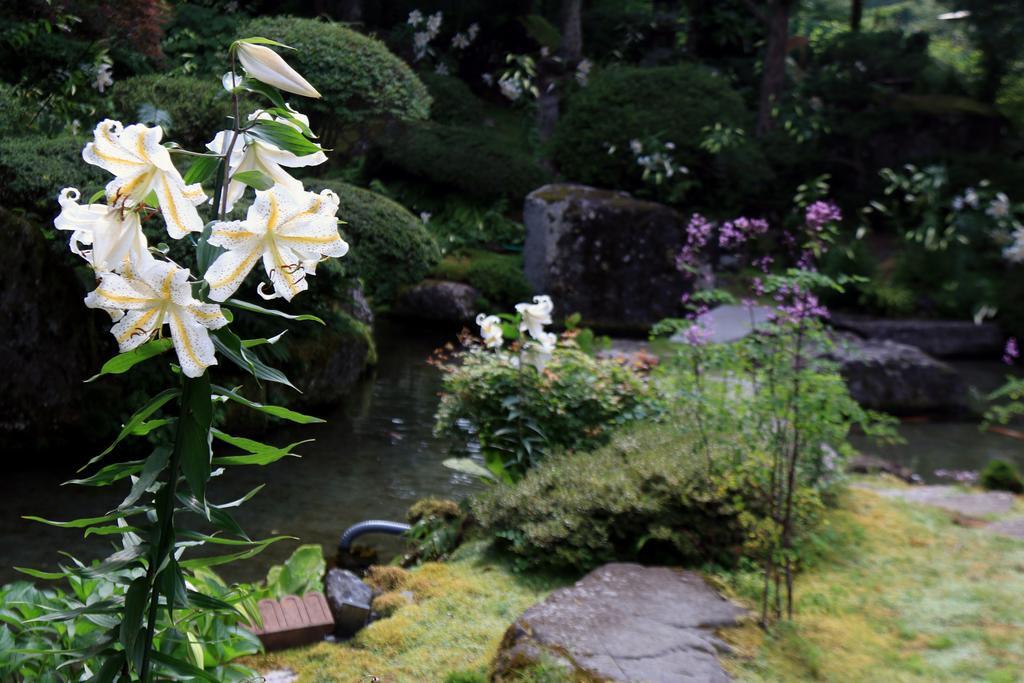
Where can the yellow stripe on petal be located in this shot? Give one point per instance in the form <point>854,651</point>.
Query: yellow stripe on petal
<point>186,343</point>
<point>140,326</point>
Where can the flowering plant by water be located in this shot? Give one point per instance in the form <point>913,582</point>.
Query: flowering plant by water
<point>519,392</point>
<point>152,609</point>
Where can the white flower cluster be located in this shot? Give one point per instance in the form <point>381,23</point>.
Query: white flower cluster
<point>537,349</point>
<point>431,28</point>
<point>654,158</point>
<point>290,229</point>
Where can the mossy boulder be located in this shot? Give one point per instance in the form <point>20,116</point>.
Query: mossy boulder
<point>579,251</point>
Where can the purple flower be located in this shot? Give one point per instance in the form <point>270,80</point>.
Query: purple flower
<point>821,213</point>
<point>764,263</point>
<point>698,231</point>
<point>795,305</point>
<point>1011,352</point>
<point>735,232</point>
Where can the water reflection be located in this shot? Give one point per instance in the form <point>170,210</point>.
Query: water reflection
<point>374,457</point>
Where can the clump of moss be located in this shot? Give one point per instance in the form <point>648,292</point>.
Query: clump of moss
<point>1000,475</point>
<point>386,578</point>
<point>386,604</point>
<point>498,277</point>
<point>436,508</point>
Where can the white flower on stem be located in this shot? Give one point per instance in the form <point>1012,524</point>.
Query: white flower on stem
<point>230,81</point>
<point>535,316</point>
<point>538,352</point>
<point>415,18</point>
<point>473,31</point>
<point>460,41</point>
<point>159,295</point>
<point>266,66</point>
<point>971,197</point>
<point>291,233</point>
<point>999,207</point>
<point>142,165</point>
<point>490,330</point>
<point>104,77</point>
<point>115,234</point>
<point>510,88</point>
<point>253,154</point>
<point>434,23</point>
<point>1015,250</point>
<point>636,146</point>
<point>583,72</point>
<point>442,69</point>
<point>420,44</point>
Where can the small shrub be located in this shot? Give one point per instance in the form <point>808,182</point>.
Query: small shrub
<point>359,79</point>
<point>391,248</point>
<point>16,112</point>
<point>575,403</point>
<point>498,277</point>
<point>186,107</point>
<point>1000,475</point>
<point>34,169</point>
<point>453,102</point>
<point>388,603</point>
<point>646,495</point>
<point>674,103</point>
<point>470,160</point>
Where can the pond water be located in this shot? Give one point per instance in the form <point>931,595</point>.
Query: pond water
<point>372,459</point>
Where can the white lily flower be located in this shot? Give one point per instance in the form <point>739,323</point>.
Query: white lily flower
<point>490,330</point>
<point>115,234</point>
<point>999,207</point>
<point>537,353</point>
<point>252,154</point>
<point>161,294</point>
<point>142,165</point>
<point>266,66</point>
<point>292,233</point>
<point>535,316</point>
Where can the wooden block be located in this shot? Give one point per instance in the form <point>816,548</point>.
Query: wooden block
<point>293,621</point>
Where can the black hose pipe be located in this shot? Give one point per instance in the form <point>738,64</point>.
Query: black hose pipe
<point>370,526</point>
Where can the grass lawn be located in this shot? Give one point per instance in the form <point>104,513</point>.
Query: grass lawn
<point>894,592</point>
<point>898,593</point>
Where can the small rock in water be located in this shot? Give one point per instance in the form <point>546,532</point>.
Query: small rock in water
<point>349,599</point>
<point>280,676</point>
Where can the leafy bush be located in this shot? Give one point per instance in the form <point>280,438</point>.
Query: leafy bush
<point>186,107</point>
<point>357,76</point>
<point>575,403</point>
<point>674,103</point>
<point>470,160</point>
<point>34,169</point>
<point>303,572</point>
<point>453,102</point>
<point>645,496</point>
<point>391,248</point>
<point>498,277</point>
<point>16,112</point>
<point>1000,475</point>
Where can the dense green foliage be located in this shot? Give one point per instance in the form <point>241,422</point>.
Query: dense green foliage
<point>469,160</point>
<point>390,247</point>
<point>498,277</point>
<point>188,108</point>
<point>646,495</point>
<point>359,79</point>
<point>678,105</point>
<point>1001,475</point>
<point>453,102</point>
<point>34,169</point>
<point>575,403</point>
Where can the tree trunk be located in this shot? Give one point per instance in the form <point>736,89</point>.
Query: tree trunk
<point>552,73</point>
<point>572,30</point>
<point>856,14</point>
<point>773,77</point>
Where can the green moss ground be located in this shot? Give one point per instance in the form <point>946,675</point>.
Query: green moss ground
<point>462,610</point>
<point>894,592</point>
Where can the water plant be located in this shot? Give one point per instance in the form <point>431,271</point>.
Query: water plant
<point>151,609</point>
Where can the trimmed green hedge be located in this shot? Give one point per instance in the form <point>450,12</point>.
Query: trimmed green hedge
<point>454,103</point>
<point>356,74</point>
<point>674,103</point>
<point>498,277</point>
<point>197,107</point>
<point>391,248</point>
<point>470,160</point>
<point>34,169</point>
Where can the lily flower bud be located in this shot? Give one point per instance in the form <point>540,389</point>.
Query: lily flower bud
<point>264,65</point>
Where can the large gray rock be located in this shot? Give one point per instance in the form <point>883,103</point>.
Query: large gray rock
<point>898,378</point>
<point>604,254</point>
<point>939,338</point>
<point>439,300</point>
<point>349,599</point>
<point>955,499</point>
<point>730,322</point>
<point>624,622</point>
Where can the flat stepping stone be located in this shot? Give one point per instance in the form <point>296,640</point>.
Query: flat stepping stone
<point>731,322</point>
<point>976,504</point>
<point>1011,526</point>
<point>625,622</point>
